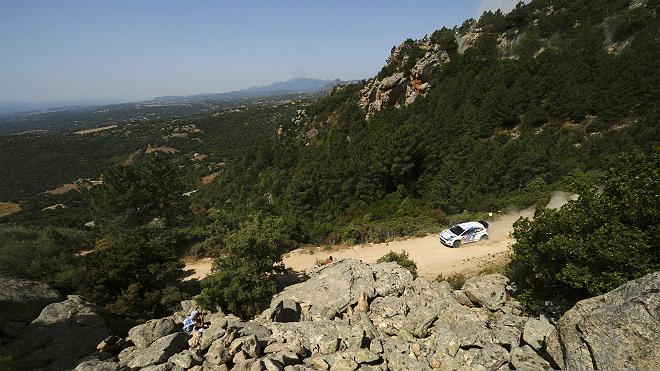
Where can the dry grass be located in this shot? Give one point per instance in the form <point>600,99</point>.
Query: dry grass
<point>209,178</point>
<point>8,208</point>
<point>164,149</point>
<point>95,130</point>
<point>77,185</point>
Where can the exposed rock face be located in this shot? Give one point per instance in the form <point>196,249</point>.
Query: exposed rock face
<point>487,291</point>
<point>63,333</point>
<point>617,330</point>
<point>354,316</point>
<point>146,333</point>
<point>402,87</point>
<point>21,301</point>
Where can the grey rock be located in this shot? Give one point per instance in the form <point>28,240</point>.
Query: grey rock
<point>159,351</point>
<point>525,358</point>
<point>462,299</point>
<point>145,334</point>
<point>487,291</point>
<point>162,367</point>
<point>341,361</point>
<point>507,331</point>
<point>126,355</point>
<point>240,357</point>
<point>536,331</point>
<point>187,358</point>
<point>285,358</point>
<point>258,365</point>
<point>616,330</point>
<point>63,333</point>
<point>217,353</point>
<point>243,365</point>
<point>23,300</point>
<point>97,365</point>
<point>491,357</point>
<point>330,290</point>
<point>215,331</point>
<point>376,346</point>
<point>391,81</point>
<point>469,326</point>
<point>272,365</point>
<point>253,328</point>
<point>391,279</point>
<point>364,356</point>
<point>287,310</point>
<point>399,361</point>
<point>311,334</point>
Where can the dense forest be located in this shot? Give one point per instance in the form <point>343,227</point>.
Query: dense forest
<point>555,95</point>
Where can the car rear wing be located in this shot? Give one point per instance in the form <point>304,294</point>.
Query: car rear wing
<point>483,222</point>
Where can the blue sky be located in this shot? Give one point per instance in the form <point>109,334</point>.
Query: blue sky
<point>133,49</point>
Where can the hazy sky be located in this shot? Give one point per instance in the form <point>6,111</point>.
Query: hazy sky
<point>132,49</point>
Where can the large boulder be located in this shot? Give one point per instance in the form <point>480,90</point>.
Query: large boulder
<point>524,358</point>
<point>159,351</point>
<point>487,291</point>
<point>145,334</point>
<point>63,333</point>
<point>616,330</point>
<point>21,301</point>
<point>330,291</point>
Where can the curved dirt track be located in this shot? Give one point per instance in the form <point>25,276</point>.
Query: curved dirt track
<point>432,257</point>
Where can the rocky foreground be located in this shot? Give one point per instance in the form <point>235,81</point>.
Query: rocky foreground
<point>350,315</point>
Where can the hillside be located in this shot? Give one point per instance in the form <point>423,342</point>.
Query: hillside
<point>490,114</point>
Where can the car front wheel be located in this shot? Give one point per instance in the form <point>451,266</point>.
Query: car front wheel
<point>456,243</point>
<point>484,237</point>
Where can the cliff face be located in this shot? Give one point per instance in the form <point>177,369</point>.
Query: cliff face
<point>350,315</point>
<point>403,86</point>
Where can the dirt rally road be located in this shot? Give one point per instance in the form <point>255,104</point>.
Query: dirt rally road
<point>431,256</point>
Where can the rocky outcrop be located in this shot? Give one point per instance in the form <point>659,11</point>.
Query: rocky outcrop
<point>617,330</point>
<point>21,301</point>
<point>145,334</point>
<point>63,333</point>
<point>402,87</point>
<point>353,316</point>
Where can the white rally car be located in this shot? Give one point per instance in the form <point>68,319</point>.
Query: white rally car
<point>464,233</point>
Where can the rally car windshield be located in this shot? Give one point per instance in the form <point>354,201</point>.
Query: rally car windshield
<point>456,230</point>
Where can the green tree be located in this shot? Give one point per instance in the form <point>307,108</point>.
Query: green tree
<point>446,39</point>
<point>243,276</point>
<point>132,197</point>
<point>593,245</point>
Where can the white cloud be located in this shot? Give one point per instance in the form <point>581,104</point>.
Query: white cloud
<point>505,5</point>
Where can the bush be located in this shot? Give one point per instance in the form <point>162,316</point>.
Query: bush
<point>445,38</point>
<point>595,244</point>
<point>48,254</point>
<point>402,259</point>
<point>455,280</point>
<point>243,276</point>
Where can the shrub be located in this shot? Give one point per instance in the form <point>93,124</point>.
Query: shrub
<point>402,259</point>
<point>243,275</point>
<point>445,38</point>
<point>593,245</point>
<point>455,280</point>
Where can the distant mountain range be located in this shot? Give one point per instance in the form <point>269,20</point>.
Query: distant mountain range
<point>293,86</point>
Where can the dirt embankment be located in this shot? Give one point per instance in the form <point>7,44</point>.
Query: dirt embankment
<point>432,257</point>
